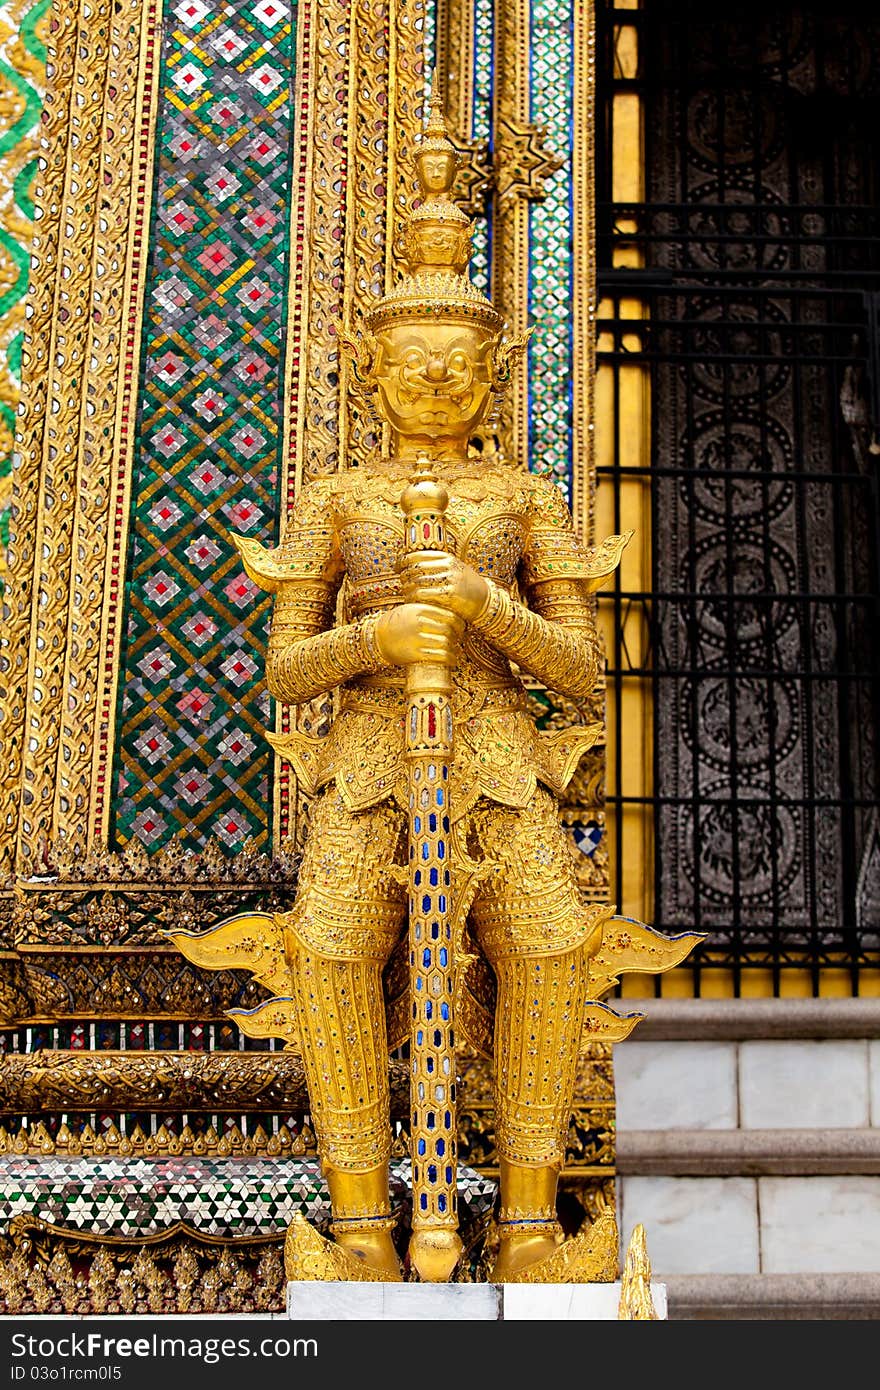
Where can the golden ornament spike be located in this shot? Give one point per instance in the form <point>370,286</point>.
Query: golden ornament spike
<point>251,940</point>
<point>435,125</point>
<point>274,1018</point>
<point>636,1300</point>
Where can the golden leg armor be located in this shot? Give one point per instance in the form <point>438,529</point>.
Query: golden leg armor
<point>537,1031</point>
<point>345,1053</point>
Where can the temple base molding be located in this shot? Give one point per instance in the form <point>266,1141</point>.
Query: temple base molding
<point>319,1301</point>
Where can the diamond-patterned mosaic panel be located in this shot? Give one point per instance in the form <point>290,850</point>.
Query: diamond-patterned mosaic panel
<point>191,759</point>
<point>550,258</point>
<point>137,1197</point>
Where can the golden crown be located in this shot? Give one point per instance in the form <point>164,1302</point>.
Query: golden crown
<point>435,245</point>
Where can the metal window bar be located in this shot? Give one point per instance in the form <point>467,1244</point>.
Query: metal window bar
<point>759,276</point>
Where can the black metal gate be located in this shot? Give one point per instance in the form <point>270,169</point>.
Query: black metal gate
<point>759,242</point>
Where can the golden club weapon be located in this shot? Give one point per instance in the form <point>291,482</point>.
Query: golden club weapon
<point>435,1245</point>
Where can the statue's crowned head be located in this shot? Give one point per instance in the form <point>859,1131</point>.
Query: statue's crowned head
<point>433,360</point>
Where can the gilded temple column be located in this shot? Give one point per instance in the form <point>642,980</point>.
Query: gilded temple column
<point>623,433</point>
<point>15,629</point>
<point>510,245</point>
<point>79,369</point>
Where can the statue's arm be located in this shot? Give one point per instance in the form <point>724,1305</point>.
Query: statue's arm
<point>308,655</point>
<point>552,635</point>
<point>554,638</point>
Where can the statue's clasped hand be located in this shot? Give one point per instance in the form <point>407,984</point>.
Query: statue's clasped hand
<point>432,576</point>
<point>416,632</point>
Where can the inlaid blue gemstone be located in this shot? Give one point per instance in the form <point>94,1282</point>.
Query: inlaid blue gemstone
<point>417,824</point>
<point>426,851</point>
<point>444,1011</point>
<point>441,903</point>
<point>440,1146</point>
<point>423,1201</point>
<point>434,877</point>
<point>441,849</point>
<point>432,822</point>
<point>431,1120</point>
<point>441,1201</point>
<point>426,957</point>
<point>422,1146</point>
<point>426,903</point>
<point>444,955</point>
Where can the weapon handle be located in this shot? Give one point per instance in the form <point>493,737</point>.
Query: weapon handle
<point>435,1245</point>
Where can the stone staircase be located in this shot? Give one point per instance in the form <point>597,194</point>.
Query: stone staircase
<point>748,1144</point>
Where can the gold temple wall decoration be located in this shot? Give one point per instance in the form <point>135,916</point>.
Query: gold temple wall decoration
<point>22,82</point>
<point>79,375</point>
<point>49,1269</point>
<point>510,267</point>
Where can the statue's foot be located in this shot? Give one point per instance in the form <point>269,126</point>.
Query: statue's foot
<point>375,1249</point>
<point>309,1255</point>
<point>518,1252</point>
<point>591,1257</point>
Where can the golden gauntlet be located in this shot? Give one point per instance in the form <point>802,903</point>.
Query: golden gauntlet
<point>304,661</point>
<point>563,657</point>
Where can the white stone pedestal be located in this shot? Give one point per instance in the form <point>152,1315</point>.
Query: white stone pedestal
<point>312,1300</point>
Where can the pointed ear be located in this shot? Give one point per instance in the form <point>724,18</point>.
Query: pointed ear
<point>361,353</point>
<point>506,352</point>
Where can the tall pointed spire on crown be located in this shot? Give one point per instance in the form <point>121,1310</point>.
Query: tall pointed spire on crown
<point>434,246</point>
<point>435,134</point>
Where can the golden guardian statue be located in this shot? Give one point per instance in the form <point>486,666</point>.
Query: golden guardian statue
<point>418,587</point>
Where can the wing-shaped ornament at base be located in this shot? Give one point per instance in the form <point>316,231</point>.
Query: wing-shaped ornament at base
<point>249,941</point>
<point>274,1018</point>
<point>310,1256</point>
<point>629,946</point>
